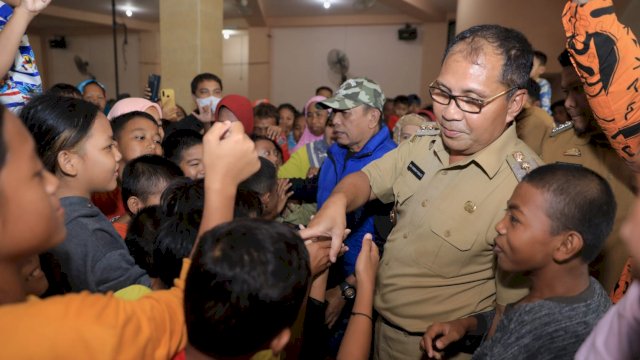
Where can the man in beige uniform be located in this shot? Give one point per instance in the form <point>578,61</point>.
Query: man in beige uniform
<point>586,145</point>
<point>533,123</point>
<point>450,191</point>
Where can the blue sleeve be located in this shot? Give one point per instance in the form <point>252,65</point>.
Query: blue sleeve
<point>5,13</point>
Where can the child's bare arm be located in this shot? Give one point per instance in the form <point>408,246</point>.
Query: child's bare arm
<point>357,339</point>
<point>229,158</point>
<point>15,28</point>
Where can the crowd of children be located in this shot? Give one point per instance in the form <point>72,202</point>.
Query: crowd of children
<point>135,231</point>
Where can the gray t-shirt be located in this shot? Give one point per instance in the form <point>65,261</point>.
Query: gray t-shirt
<point>553,328</point>
<point>93,256</point>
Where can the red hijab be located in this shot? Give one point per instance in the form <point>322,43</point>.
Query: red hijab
<point>241,107</point>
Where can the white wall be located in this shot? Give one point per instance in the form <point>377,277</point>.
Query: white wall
<point>299,60</point>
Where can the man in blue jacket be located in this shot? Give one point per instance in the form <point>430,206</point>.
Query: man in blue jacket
<point>361,138</point>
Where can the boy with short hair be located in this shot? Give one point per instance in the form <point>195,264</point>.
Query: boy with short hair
<point>265,183</point>
<point>137,134</point>
<point>556,222</point>
<point>184,148</point>
<point>539,67</point>
<point>206,92</point>
<point>143,181</point>
<point>265,123</point>
<point>244,289</point>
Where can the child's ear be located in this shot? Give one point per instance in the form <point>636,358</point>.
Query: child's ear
<point>68,163</point>
<point>569,247</point>
<point>134,204</point>
<point>280,341</point>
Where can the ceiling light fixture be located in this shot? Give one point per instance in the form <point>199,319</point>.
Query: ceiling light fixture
<point>129,12</point>
<point>226,34</point>
<point>327,4</point>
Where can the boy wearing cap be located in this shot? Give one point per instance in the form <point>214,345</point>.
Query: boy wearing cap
<point>360,139</point>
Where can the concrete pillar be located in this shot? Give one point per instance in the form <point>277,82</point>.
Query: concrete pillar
<point>259,63</point>
<point>190,43</point>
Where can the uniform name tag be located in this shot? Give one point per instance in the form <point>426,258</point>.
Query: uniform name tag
<point>415,170</point>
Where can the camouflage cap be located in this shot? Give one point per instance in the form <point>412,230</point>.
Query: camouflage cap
<point>355,92</point>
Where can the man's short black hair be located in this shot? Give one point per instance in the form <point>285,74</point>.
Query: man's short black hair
<point>414,99</point>
<point>118,123</point>
<point>246,284</point>
<point>265,110</point>
<point>533,90</point>
<point>182,203</point>
<point>203,77</point>
<point>179,141</point>
<point>578,200</point>
<point>143,175</point>
<point>289,107</point>
<point>401,99</point>
<point>62,89</point>
<point>565,59</point>
<point>323,87</point>
<point>511,44</point>
<point>542,57</point>
<point>559,103</point>
<point>264,180</point>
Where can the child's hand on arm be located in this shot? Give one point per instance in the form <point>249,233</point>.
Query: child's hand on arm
<point>439,335</point>
<point>229,158</point>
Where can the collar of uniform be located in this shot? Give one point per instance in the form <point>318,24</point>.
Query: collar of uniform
<point>490,159</point>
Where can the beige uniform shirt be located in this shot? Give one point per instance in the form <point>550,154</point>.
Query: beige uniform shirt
<point>533,126</point>
<point>438,261</point>
<point>598,156</point>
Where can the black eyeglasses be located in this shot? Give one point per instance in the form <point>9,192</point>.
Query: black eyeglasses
<point>465,103</point>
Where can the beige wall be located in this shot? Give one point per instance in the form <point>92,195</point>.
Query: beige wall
<point>97,49</point>
<point>434,42</point>
<point>235,63</point>
<point>539,21</point>
<point>299,60</point>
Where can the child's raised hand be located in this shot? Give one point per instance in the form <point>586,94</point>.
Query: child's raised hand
<point>283,194</point>
<point>439,335</point>
<point>34,6</point>
<point>367,262</point>
<point>229,154</point>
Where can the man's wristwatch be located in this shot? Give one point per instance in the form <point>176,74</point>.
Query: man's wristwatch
<point>348,291</point>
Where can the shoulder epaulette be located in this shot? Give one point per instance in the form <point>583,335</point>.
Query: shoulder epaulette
<point>521,164</point>
<point>430,129</point>
<point>561,128</point>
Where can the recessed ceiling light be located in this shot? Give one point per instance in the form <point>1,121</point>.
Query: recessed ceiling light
<point>327,4</point>
<point>129,12</point>
<point>226,34</point>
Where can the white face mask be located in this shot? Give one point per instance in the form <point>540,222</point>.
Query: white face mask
<point>211,101</point>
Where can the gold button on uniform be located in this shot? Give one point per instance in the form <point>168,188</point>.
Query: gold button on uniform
<point>424,203</point>
<point>405,235</point>
<point>470,207</point>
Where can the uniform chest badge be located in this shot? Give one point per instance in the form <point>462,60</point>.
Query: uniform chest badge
<point>573,152</point>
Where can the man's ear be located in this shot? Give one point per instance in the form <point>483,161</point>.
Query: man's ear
<point>280,341</point>
<point>515,104</point>
<point>569,247</point>
<point>68,163</point>
<point>134,204</point>
<point>373,118</point>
